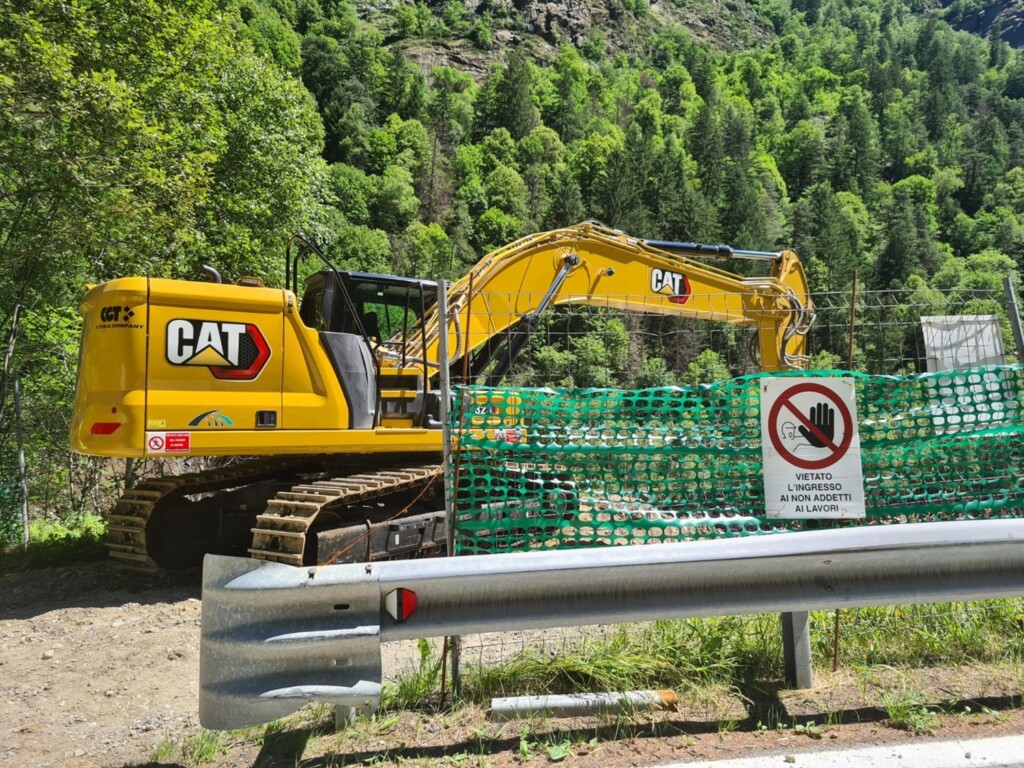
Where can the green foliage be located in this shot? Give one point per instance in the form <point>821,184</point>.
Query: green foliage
<point>162,751</point>
<point>204,747</point>
<point>507,191</point>
<point>135,138</point>
<point>56,542</point>
<point>427,250</point>
<point>662,654</point>
<point>151,137</point>
<point>906,711</point>
<point>494,228</point>
<point>271,35</point>
<point>359,247</point>
<point>351,191</point>
<point>482,34</point>
<point>706,369</point>
<point>412,688</point>
<point>733,652</point>
<point>393,204</point>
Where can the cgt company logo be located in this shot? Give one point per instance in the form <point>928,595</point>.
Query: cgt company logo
<point>116,314</point>
<point>232,351</point>
<point>118,317</point>
<point>674,285</point>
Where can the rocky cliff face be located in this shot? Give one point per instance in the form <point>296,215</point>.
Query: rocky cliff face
<point>615,25</point>
<point>728,23</point>
<point>1007,15</point>
<point>619,26</point>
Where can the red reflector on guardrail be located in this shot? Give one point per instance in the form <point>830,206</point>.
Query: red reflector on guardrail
<point>400,603</point>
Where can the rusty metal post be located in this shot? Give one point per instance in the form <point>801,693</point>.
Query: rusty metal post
<point>452,643</point>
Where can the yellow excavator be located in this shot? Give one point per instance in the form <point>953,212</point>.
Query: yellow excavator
<point>336,400</point>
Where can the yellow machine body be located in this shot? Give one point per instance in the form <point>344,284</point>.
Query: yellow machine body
<point>173,367</point>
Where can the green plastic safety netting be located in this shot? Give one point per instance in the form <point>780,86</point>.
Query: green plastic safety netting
<point>541,468</point>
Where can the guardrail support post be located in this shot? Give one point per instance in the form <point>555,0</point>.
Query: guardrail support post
<point>344,716</point>
<point>796,649</point>
<point>1018,329</point>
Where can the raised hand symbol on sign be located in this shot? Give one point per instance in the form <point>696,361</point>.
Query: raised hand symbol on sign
<point>823,417</point>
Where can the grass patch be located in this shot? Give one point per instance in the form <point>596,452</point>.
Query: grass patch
<point>204,747</point>
<point>52,543</point>
<point>673,654</point>
<point>924,635</point>
<point>907,711</point>
<point>413,689</point>
<point>730,652</point>
<point>163,751</point>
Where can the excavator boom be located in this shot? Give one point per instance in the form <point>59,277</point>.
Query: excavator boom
<point>590,265</point>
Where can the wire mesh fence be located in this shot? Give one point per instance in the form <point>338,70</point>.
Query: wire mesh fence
<point>727,650</point>
<point>884,334</point>
<point>890,329</point>
<point>876,332</point>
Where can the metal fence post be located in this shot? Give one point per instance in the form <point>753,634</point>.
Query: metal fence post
<point>1018,330</point>
<point>449,490</point>
<point>22,476</point>
<point>796,649</point>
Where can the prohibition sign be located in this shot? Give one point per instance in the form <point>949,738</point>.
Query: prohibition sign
<point>835,451</point>
<point>156,443</point>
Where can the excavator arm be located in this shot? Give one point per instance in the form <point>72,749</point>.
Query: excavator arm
<point>506,292</point>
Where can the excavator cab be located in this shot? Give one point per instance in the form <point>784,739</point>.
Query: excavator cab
<point>365,322</point>
<point>380,308</point>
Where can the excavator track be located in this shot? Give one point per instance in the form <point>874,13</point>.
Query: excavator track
<point>128,526</point>
<point>160,524</point>
<point>282,530</point>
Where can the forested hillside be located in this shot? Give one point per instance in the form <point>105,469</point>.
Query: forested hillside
<point>150,137</point>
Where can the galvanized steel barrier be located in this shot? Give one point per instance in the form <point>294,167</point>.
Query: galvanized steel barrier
<point>275,637</point>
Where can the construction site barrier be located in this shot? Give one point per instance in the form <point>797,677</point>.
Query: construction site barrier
<point>569,469</point>
<point>275,637</point>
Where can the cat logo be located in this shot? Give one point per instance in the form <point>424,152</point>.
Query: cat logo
<point>232,351</point>
<point>674,285</point>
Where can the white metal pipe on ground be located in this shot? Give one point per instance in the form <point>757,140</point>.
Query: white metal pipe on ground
<point>581,704</point>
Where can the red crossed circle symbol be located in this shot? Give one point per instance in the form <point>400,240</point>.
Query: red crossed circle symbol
<point>836,451</point>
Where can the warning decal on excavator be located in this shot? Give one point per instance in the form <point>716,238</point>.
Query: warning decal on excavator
<point>233,351</point>
<point>168,442</point>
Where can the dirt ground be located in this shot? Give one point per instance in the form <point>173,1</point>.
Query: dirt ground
<point>100,667</point>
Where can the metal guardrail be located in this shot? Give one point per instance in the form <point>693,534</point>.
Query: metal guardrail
<point>275,636</point>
